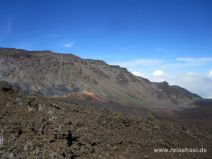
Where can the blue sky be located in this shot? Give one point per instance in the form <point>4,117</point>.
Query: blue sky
<point>157,39</point>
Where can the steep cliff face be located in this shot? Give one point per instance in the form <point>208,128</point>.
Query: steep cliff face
<point>51,74</point>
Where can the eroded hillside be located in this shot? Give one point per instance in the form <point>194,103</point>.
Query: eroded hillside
<point>51,74</point>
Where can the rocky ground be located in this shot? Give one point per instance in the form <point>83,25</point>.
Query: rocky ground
<point>38,127</point>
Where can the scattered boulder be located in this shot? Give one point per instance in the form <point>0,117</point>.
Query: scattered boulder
<point>5,86</point>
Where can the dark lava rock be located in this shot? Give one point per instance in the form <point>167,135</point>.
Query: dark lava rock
<point>66,130</point>
<point>5,86</point>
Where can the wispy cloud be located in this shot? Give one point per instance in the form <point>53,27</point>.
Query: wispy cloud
<point>159,49</point>
<point>69,44</point>
<point>124,48</point>
<point>195,61</point>
<point>55,35</point>
<point>163,63</point>
<point>6,28</point>
<point>210,74</point>
<point>158,73</point>
<point>138,73</point>
<point>9,26</point>
<point>141,62</point>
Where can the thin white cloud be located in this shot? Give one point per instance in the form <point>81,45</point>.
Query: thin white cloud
<point>9,27</point>
<point>124,48</point>
<point>136,73</point>
<point>69,44</point>
<point>210,74</point>
<point>167,65</point>
<point>187,62</point>
<point>158,73</point>
<point>200,60</point>
<point>55,35</point>
<point>159,49</point>
<point>141,62</point>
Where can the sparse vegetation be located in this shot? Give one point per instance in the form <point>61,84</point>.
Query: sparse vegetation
<point>30,99</point>
<point>150,117</point>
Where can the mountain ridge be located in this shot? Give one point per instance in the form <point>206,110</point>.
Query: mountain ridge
<point>54,74</point>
